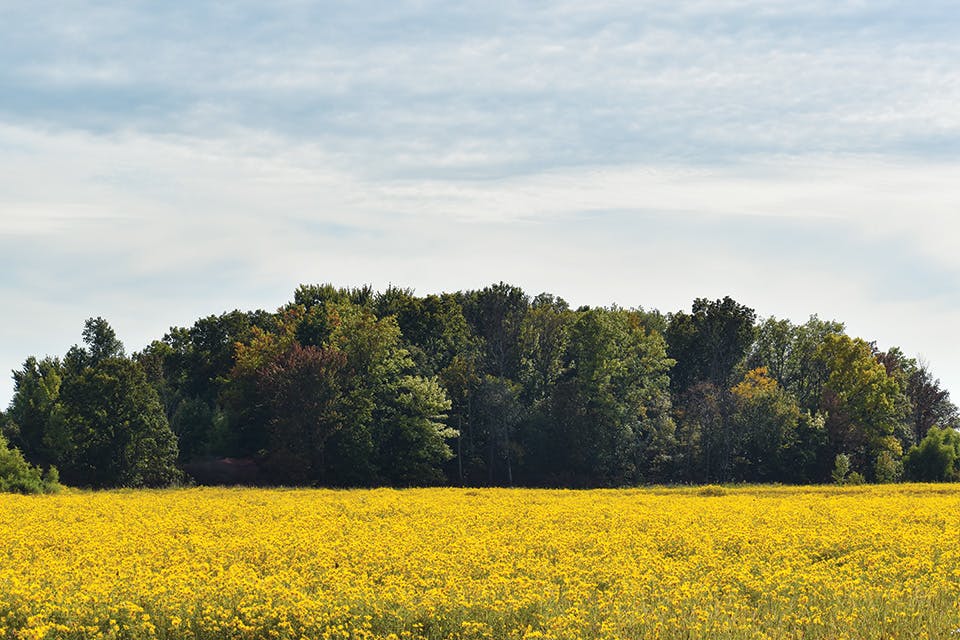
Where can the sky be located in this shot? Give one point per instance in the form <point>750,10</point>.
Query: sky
<point>164,161</point>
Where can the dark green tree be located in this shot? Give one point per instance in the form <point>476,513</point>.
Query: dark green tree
<point>706,439</point>
<point>35,421</point>
<point>94,416</point>
<point>433,328</point>
<point>191,369</point>
<point>611,408</point>
<point>118,432</point>
<point>495,314</point>
<point>101,340</point>
<point>709,342</point>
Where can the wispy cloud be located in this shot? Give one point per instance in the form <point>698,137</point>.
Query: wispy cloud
<point>166,161</point>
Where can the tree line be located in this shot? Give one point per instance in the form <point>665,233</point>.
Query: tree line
<point>491,387</point>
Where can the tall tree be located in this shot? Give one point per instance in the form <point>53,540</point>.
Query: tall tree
<point>118,432</point>
<point>930,404</point>
<point>496,313</point>
<point>102,342</point>
<point>863,403</point>
<point>709,342</point>
<point>705,434</point>
<point>611,409</point>
<point>301,388</point>
<point>35,421</point>
<point>765,422</point>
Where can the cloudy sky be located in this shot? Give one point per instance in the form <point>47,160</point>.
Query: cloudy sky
<point>162,161</point>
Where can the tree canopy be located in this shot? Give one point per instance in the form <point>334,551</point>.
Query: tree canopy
<point>354,387</point>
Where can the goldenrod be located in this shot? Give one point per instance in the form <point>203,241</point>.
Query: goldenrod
<point>853,562</point>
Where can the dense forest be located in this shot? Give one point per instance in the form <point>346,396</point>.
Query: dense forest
<point>353,387</point>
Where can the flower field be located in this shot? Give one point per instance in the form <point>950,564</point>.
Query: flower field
<point>769,562</point>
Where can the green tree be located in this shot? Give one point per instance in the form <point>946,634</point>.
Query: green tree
<point>118,431</point>
<point>190,368</point>
<point>302,390</point>
<point>413,437</point>
<point>311,295</point>
<point>95,416</point>
<point>495,314</point>
<point>394,416</point>
<point>433,328</point>
<point>543,341</point>
<point>887,468</point>
<point>765,421</point>
<point>611,409</point>
<point>709,343</point>
<point>101,340</point>
<point>705,434</point>
<point>841,468</point>
<point>345,409</point>
<point>494,424</point>
<point>35,420</point>
<point>789,353</point>
<point>936,458</point>
<point>862,402</point>
<point>930,404</point>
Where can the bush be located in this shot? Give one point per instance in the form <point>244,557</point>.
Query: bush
<point>936,458</point>
<point>855,478</point>
<point>841,467</point>
<point>19,476</point>
<point>887,468</point>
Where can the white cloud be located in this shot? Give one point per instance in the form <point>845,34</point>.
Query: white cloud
<point>160,166</point>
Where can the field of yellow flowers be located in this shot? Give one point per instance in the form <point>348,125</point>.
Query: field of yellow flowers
<point>769,562</point>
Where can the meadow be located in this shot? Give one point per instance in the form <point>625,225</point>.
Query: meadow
<point>756,562</point>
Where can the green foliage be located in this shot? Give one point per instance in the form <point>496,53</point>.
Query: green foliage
<point>887,468</point>
<point>35,420</point>
<point>841,468</point>
<point>345,409</point>
<point>863,403</point>
<point>349,387</point>
<point>412,438</point>
<point>611,409</point>
<point>94,416</point>
<point>765,422</point>
<point>856,478</point>
<point>19,476</point>
<point>119,435</point>
<point>790,354</point>
<point>495,315</point>
<point>936,458</point>
<point>710,342</point>
<point>930,405</point>
<point>102,342</point>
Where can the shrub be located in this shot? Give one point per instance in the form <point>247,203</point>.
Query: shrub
<point>19,476</point>
<point>855,478</point>
<point>841,467</point>
<point>936,458</point>
<point>887,468</point>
